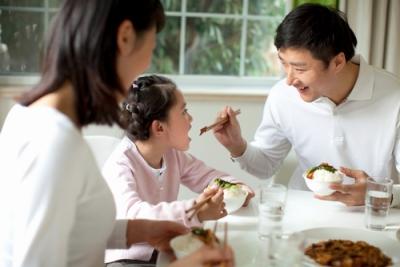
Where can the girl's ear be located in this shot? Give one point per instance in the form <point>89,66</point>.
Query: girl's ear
<point>126,38</point>
<point>157,128</point>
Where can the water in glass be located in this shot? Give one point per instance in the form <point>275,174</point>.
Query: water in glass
<point>377,205</point>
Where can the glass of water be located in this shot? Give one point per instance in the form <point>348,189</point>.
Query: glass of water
<point>271,209</point>
<point>377,202</point>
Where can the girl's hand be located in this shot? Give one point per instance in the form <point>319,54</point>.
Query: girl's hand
<point>207,256</point>
<point>250,194</point>
<point>215,207</point>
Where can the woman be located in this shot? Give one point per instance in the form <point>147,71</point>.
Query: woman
<point>57,209</point>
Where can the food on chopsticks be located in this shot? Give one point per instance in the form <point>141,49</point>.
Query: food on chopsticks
<point>234,194</point>
<point>205,235</point>
<point>324,173</point>
<point>346,253</point>
<point>220,122</point>
<point>185,244</point>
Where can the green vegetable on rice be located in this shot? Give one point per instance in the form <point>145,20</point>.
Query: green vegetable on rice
<point>225,184</point>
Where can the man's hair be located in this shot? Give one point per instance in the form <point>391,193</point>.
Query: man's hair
<point>319,29</point>
<point>82,49</point>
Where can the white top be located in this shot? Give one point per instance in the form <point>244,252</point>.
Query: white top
<point>56,210</point>
<point>360,133</point>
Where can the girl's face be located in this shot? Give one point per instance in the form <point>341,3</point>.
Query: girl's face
<point>178,124</point>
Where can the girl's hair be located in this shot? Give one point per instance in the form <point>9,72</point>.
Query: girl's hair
<point>150,98</point>
<point>82,49</point>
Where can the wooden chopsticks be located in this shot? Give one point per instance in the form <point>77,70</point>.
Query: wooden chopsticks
<point>225,242</point>
<point>220,122</point>
<point>196,207</point>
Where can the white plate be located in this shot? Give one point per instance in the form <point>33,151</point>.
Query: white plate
<point>389,246</point>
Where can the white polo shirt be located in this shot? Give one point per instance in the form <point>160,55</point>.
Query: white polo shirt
<point>360,133</point>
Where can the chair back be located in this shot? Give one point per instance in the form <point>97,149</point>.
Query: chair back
<point>102,146</point>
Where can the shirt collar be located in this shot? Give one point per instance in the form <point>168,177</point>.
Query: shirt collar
<point>363,88</point>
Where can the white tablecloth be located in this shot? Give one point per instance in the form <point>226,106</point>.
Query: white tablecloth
<point>302,211</point>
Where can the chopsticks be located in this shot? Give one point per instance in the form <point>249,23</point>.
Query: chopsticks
<point>225,239</point>
<point>196,207</point>
<point>225,242</point>
<point>220,122</point>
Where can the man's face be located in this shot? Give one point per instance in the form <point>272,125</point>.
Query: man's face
<point>311,77</point>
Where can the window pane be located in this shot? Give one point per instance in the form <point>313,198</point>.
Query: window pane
<point>332,3</point>
<point>215,6</point>
<point>22,3</point>
<point>172,5</point>
<point>166,54</point>
<point>21,40</point>
<point>54,3</point>
<point>261,56</point>
<point>267,7</point>
<point>212,46</point>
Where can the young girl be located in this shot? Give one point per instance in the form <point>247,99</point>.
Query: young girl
<point>146,169</point>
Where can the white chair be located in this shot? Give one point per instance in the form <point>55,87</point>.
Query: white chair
<point>102,146</point>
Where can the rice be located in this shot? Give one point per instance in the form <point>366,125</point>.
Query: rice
<point>322,175</point>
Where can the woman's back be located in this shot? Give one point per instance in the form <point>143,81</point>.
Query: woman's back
<point>50,199</point>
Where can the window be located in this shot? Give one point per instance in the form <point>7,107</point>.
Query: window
<point>222,40</point>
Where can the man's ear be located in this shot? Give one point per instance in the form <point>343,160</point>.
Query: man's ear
<point>339,61</point>
<point>126,38</point>
<point>157,128</point>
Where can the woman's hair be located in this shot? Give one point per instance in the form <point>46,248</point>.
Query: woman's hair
<point>150,98</point>
<point>321,30</point>
<point>82,49</point>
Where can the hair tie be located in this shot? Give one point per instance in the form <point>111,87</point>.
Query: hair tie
<point>129,107</point>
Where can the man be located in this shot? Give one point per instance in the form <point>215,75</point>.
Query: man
<point>332,107</point>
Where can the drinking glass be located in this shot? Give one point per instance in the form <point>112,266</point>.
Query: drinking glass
<point>286,250</point>
<point>377,202</point>
<point>271,209</point>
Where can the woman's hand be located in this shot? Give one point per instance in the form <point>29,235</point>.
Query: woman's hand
<point>156,233</point>
<point>229,133</point>
<point>214,209</point>
<point>349,194</point>
<point>207,256</point>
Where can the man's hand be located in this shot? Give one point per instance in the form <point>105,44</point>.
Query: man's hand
<point>229,133</point>
<point>349,194</point>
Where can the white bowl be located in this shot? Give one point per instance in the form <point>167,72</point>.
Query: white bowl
<point>235,199</point>
<point>320,188</point>
<point>184,245</point>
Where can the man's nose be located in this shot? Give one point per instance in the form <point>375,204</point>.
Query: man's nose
<point>289,76</point>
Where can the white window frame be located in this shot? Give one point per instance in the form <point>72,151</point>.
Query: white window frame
<point>196,84</point>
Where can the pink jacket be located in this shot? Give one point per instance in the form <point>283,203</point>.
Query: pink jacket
<point>141,191</point>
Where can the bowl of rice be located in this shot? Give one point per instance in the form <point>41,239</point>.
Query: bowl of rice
<point>318,179</point>
<point>234,195</point>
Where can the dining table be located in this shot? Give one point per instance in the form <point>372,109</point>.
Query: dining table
<point>303,213</point>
